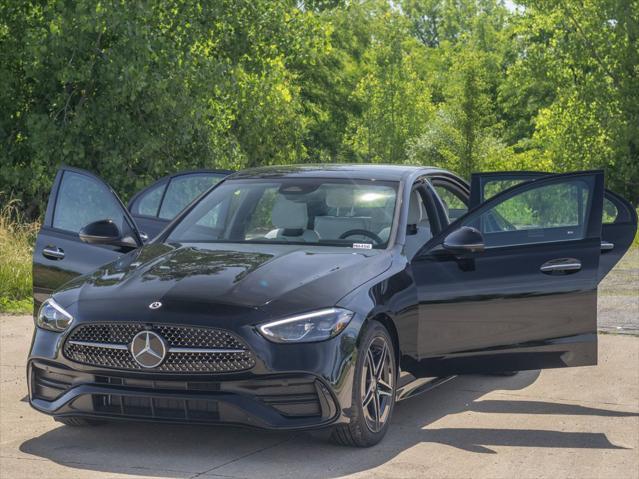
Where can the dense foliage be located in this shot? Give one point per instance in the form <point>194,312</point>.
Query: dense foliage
<point>134,90</point>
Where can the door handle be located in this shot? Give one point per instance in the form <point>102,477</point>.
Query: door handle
<point>53,252</point>
<point>607,246</point>
<point>561,266</point>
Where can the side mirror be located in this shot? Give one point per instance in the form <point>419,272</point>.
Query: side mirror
<point>100,232</point>
<point>464,240</point>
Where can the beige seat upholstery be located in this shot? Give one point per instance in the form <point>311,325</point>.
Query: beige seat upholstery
<point>291,220</point>
<point>417,221</point>
<point>333,226</point>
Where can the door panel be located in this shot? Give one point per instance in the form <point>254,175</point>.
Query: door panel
<point>155,206</point>
<point>76,199</point>
<point>503,309</point>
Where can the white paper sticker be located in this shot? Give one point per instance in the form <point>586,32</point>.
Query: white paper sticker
<point>363,245</point>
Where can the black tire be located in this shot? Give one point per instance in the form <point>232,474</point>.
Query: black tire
<point>364,430</point>
<point>504,373</point>
<point>75,421</point>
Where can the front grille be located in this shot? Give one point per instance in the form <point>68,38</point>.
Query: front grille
<point>156,407</point>
<point>190,349</point>
<point>301,397</point>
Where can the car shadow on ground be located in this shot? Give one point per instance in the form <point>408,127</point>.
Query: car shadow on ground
<point>184,451</point>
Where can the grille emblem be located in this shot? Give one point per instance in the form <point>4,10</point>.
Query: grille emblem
<point>148,349</point>
<point>155,305</point>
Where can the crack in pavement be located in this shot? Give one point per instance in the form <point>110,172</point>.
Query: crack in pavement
<point>244,456</point>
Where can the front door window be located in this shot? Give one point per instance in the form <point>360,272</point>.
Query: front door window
<point>82,200</point>
<point>555,212</point>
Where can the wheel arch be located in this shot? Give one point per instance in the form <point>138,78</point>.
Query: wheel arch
<point>389,324</point>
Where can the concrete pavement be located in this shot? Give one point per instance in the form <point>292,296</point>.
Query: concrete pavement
<point>579,422</point>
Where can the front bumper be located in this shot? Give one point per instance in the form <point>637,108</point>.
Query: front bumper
<point>291,386</point>
<point>272,402</point>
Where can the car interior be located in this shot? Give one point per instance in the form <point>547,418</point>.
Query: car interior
<point>418,225</point>
<point>342,215</point>
<point>313,213</point>
<point>331,213</point>
<point>290,212</point>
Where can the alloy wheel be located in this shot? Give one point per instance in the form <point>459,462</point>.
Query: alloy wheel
<point>377,385</point>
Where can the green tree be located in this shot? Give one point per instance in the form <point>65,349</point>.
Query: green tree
<point>467,59</point>
<point>393,94</point>
<point>579,62</point>
<point>136,90</point>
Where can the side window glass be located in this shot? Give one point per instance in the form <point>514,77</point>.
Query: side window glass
<point>260,223</point>
<point>82,200</point>
<point>149,202</point>
<point>219,215</point>
<point>184,189</point>
<point>610,212</point>
<point>493,187</point>
<point>454,205</point>
<point>555,212</point>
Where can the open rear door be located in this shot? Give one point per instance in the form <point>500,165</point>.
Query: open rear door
<point>77,199</point>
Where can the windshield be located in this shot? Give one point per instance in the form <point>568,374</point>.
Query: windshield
<point>350,213</point>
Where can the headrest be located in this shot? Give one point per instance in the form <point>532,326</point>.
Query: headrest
<point>384,214</point>
<point>415,209</point>
<point>340,197</point>
<point>288,214</point>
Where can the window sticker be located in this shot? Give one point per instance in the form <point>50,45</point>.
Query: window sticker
<point>362,245</point>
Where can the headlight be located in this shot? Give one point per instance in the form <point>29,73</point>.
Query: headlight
<point>309,327</point>
<point>53,317</point>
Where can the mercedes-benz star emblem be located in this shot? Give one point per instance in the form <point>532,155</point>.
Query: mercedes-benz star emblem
<point>148,349</point>
<point>155,305</point>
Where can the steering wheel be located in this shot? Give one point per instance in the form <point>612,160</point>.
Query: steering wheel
<point>368,234</point>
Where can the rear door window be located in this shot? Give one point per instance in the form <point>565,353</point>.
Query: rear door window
<point>149,202</point>
<point>184,189</point>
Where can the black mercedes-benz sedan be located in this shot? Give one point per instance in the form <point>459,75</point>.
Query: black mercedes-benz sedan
<point>307,297</point>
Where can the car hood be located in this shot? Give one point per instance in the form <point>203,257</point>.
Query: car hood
<point>226,278</point>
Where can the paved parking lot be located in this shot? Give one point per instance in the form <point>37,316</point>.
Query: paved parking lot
<point>580,422</point>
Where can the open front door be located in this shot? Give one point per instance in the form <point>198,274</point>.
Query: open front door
<point>619,220</point>
<point>529,299</point>
<point>77,199</point>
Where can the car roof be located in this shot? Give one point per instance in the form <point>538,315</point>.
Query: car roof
<point>332,170</point>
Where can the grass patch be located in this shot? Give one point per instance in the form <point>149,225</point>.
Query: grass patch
<point>17,237</point>
<point>16,306</point>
